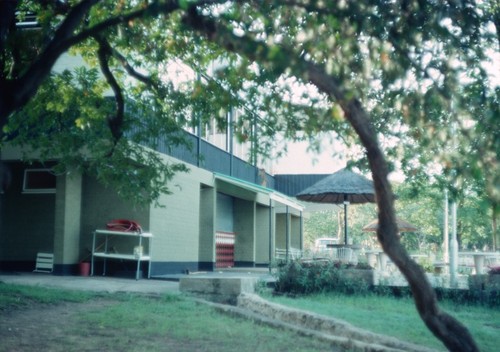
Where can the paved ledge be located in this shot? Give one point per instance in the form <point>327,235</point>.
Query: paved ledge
<point>218,289</point>
<point>342,335</point>
<point>236,296</point>
<point>92,283</point>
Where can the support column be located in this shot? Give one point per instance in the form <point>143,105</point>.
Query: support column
<point>67,223</point>
<point>453,246</point>
<point>446,238</point>
<point>206,255</point>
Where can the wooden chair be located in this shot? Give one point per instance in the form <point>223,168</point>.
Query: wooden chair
<point>44,263</point>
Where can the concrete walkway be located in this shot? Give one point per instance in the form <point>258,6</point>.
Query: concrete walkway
<point>157,285</point>
<point>92,283</point>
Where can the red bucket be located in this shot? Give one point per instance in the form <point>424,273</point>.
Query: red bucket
<point>84,268</point>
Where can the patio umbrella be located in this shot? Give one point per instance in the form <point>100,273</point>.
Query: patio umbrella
<point>342,187</point>
<point>403,226</point>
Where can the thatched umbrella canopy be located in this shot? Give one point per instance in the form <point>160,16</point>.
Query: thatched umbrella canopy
<point>403,226</point>
<point>342,187</point>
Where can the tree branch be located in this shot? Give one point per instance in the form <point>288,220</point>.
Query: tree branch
<point>16,93</point>
<point>132,71</point>
<point>115,122</point>
<point>7,24</point>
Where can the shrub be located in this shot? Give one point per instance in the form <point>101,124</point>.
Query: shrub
<point>426,264</point>
<point>297,277</point>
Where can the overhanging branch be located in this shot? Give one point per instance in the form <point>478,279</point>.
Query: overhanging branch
<point>115,122</point>
<point>16,93</point>
<point>148,81</point>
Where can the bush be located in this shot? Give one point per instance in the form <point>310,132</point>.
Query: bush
<point>297,277</point>
<point>475,297</point>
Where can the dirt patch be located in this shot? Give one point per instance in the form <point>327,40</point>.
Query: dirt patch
<point>59,327</point>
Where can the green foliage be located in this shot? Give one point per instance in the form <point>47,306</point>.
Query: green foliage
<point>320,224</point>
<point>426,264</point>
<point>74,129</point>
<point>297,277</point>
<point>471,297</point>
<point>419,68</point>
<point>330,223</point>
<point>423,205</point>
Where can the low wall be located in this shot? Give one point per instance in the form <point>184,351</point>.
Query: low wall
<point>396,279</point>
<point>219,290</point>
<point>486,282</point>
<point>365,275</point>
<point>342,334</point>
<point>238,298</point>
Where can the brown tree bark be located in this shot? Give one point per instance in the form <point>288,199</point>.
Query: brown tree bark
<point>450,331</point>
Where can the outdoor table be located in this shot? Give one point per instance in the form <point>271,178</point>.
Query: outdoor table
<point>371,257</point>
<point>378,258</point>
<point>478,260</point>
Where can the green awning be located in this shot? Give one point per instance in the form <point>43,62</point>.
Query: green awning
<point>258,189</point>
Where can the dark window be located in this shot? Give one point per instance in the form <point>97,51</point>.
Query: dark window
<point>39,181</point>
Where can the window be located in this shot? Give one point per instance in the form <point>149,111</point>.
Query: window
<point>39,181</point>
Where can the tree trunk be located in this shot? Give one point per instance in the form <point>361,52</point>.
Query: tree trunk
<point>450,331</point>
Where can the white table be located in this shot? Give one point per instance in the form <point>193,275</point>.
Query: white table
<point>377,258</point>
<point>478,260</point>
<point>371,257</point>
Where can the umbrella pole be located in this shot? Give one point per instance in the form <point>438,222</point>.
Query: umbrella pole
<point>345,218</point>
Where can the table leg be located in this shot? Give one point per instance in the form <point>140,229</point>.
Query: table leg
<point>479,264</point>
<point>382,261</point>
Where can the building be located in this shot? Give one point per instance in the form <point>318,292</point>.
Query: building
<point>223,204</point>
<point>222,200</point>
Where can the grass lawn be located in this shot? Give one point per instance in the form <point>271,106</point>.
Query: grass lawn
<point>79,321</point>
<point>398,317</point>
<point>118,322</point>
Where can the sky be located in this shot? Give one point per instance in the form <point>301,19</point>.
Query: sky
<point>300,160</point>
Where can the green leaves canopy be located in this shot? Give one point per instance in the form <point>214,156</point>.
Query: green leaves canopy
<point>415,73</point>
<point>419,67</point>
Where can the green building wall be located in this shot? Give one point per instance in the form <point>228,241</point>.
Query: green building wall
<point>183,227</point>
<point>27,222</point>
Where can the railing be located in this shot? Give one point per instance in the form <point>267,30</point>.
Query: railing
<point>293,253</point>
<point>210,157</point>
<point>477,262</point>
<point>343,255</point>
